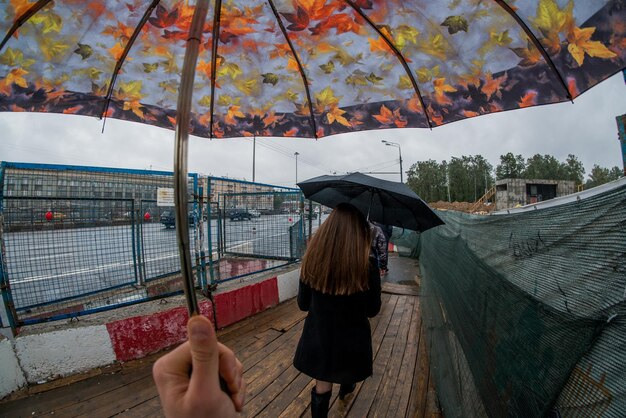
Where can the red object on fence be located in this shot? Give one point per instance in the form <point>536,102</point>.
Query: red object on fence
<point>147,216</point>
<point>49,216</point>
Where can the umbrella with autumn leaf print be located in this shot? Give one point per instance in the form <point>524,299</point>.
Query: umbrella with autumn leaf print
<point>305,68</point>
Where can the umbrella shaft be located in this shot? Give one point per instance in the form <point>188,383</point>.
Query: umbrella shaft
<point>180,153</point>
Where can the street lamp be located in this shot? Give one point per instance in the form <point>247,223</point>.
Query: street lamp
<point>296,154</point>
<point>393,144</point>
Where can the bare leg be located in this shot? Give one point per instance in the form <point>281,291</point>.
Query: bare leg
<point>323,387</point>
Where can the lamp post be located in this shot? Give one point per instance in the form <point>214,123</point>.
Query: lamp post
<point>394,144</point>
<point>296,154</point>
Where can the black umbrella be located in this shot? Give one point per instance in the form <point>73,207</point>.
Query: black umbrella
<point>386,202</point>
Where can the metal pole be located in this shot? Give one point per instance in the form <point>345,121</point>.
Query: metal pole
<point>296,154</point>
<point>394,144</point>
<point>400,154</point>
<point>183,116</point>
<point>448,180</point>
<point>253,156</point>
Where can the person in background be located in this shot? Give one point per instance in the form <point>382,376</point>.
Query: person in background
<point>340,288</point>
<point>188,378</point>
<point>379,247</point>
<point>387,232</point>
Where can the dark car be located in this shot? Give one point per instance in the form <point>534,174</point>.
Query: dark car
<point>168,218</point>
<point>240,215</point>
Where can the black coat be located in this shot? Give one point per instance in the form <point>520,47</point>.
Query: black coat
<point>336,342</point>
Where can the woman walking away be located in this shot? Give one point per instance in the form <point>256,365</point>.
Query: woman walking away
<point>340,288</point>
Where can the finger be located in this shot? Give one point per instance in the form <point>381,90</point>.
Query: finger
<point>239,397</point>
<point>174,365</point>
<point>204,355</point>
<point>228,367</point>
<point>231,370</point>
<point>171,372</point>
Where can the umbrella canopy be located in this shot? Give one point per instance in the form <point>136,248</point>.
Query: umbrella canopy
<point>383,201</point>
<point>305,68</point>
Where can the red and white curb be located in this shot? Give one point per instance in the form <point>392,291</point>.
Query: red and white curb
<point>37,358</point>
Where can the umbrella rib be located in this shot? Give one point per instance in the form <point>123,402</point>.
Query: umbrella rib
<point>537,44</point>
<point>23,19</point>
<point>304,79</point>
<point>397,53</point>
<point>217,13</point>
<point>120,61</point>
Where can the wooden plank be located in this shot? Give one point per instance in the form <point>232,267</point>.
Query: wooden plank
<point>289,320</point>
<point>365,398</point>
<point>112,402</point>
<point>281,402</point>
<point>400,289</point>
<point>271,391</point>
<point>400,400</point>
<point>250,359</point>
<point>74,394</point>
<point>417,401</point>
<point>384,317</point>
<point>385,300</point>
<point>270,362</point>
<point>390,378</point>
<point>260,322</point>
<point>300,404</point>
<point>342,407</point>
<point>250,343</point>
<point>151,408</point>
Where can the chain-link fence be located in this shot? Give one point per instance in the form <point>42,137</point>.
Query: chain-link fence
<point>75,240</point>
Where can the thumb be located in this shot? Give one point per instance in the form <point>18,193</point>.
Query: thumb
<point>204,354</point>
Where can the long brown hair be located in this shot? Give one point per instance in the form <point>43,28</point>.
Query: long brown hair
<point>337,257</point>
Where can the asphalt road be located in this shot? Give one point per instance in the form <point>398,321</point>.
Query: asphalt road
<point>56,264</point>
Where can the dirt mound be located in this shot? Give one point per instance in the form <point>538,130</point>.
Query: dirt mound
<point>462,206</point>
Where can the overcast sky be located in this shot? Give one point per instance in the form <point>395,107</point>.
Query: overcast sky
<point>586,129</point>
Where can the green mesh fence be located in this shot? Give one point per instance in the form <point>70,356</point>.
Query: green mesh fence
<point>526,312</point>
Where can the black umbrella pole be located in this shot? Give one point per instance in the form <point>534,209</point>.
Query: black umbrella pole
<point>183,116</point>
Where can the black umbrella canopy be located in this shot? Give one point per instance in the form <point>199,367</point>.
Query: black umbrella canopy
<point>383,201</point>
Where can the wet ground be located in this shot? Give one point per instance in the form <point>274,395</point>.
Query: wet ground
<point>402,270</point>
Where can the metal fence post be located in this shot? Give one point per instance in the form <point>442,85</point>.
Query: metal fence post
<point>8,316</point>
<point>209,231</point>
<point>141,265</point>
<point>134,244</point>
<point>199,239</point>
<point>310,218</point>
<point>222,231</point>
<point>302,218</point>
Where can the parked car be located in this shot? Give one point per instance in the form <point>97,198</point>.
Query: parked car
<point>255,213</point>
<point>240,215</point>
<point>168,218</point>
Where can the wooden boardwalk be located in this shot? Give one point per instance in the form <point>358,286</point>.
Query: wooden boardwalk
<point>400,387</point>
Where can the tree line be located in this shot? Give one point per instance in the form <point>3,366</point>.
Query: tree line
<point>467,178</point>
